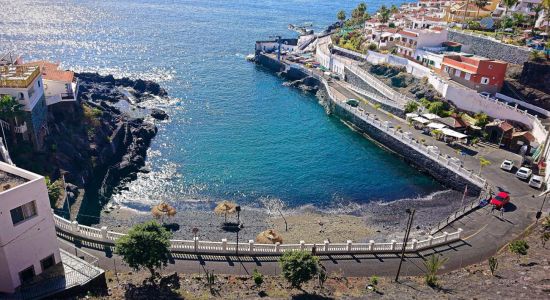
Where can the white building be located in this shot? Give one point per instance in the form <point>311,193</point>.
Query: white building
<point>524,7</point>
<point>413,39</point>
<point>28,243</point>
<point>25,84</point>
<point>59,85</point>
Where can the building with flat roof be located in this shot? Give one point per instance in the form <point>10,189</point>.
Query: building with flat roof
<point>25,84</point>
<point>475,72</point>
<point>28,243</point>
<point>412,39</point>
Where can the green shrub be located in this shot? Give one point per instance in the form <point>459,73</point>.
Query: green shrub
<point>54,190</point>
<point>298,267</point>
<point>544,237</point>
<point>433,264</point>
<point>372,47</point>
<point>518,247</point>
<point>257,277</point>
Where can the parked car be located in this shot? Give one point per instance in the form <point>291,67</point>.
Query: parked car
<point>507,165</point>
<point>524,173</point>
<point>536,181</point>
<point>500,200</point>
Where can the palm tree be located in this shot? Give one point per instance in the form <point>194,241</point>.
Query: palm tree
<point>537,10</point>
<point>341,15</point>
<point>519,19</point>
<point>384,14</point>
<point>10,109</point>
<point>508,4</point>
<point>394,9</point>
<point>465,10</point>
<point>480,4</point>
<point>362,7</point>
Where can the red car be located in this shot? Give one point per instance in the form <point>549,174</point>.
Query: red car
<point>500,200</point>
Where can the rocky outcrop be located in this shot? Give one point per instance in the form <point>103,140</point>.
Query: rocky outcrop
<point>536,75</point>
<point>102,146</point>
<point>159,114</point>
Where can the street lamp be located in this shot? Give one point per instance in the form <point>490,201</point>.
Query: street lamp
<point>539,213</point>
<point>405,239</point>
<point>195,230</point>
<point>238,209</point>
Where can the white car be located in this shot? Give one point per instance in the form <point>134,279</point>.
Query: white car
<point>524,173</point>
<point>536,181</point>
<point>507,165</point>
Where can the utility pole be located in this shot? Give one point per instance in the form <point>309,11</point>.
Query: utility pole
<point>539,213</point>
<point>405,239</point>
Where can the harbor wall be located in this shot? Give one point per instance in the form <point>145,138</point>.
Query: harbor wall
<point>443,174</point>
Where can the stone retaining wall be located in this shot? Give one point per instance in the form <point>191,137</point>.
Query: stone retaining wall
<point>491,49</point>
<point>444,175</point>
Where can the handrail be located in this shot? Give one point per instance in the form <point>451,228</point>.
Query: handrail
<point>66,228</point>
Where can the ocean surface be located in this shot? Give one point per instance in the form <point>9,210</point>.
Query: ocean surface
<point>235,132</point>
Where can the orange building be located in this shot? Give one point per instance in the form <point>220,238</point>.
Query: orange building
<point>478,73</point>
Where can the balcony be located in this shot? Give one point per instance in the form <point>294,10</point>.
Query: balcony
<point>406,45</point>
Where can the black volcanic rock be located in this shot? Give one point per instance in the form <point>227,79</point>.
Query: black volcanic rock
<point>159,114</point>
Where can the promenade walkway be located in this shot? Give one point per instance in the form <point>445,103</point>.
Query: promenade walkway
<point>484,233</point>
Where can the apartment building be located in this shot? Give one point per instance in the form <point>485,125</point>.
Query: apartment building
<point>25,84</point>
<point>28,244</point>
<point>412,39</point>
<point>475,72</point>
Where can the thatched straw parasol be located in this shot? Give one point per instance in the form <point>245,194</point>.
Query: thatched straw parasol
<point>269,236</point>
<point>225,207</point>
<point>163,209</point>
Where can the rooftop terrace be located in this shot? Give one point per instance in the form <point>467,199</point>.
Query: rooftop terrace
<point>18,76</point>
<point>9,181</point>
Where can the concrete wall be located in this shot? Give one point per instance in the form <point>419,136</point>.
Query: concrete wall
<point>25,244</point>
<point>411,156</point>
<point>486,47</point>
<point>270,63</point>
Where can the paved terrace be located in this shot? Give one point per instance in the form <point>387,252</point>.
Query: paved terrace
<point>484,233</point>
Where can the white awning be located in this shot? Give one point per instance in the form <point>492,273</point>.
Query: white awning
<point>437,125</point>
<point>430,116</point>
<point>449,132</point>
<point>421,120</point>
<point>410,115</point>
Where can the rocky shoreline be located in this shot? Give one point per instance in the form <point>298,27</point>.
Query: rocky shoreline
<point>98,145</point>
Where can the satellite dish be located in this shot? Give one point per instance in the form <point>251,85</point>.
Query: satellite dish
<point>487,23</point>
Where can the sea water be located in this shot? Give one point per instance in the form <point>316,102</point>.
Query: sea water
<point>235,131</point>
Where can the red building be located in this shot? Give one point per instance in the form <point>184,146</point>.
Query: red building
<point>478,73</point>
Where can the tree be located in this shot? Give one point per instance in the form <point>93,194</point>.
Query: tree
<point>394,9</point>
<point>483,162</point>
<point>146,246</point>
<point>481,119</point>
<point>433,264</point>
<point>519,19</point>
<point>537,10</point>
<point>10,110</point>
<point>480,4</point>
<point>518,247</point>
<point>362,8</point>
<point>493,265</point>
<point>341,15</point>
<point>54,190</point>
<point>384,14</point>
<point>298,267</point>
<point>437,107</point>
<point>411,106</point>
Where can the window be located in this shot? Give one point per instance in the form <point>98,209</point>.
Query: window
<point>457,73</point>
<point>447,69</point>
<point>23,212</point>
<point>467,76</point>
<point>490,67</point>
<point>484,80</point>
<point>38,83</point>
<point>47,262</point>
<point>27,274</point>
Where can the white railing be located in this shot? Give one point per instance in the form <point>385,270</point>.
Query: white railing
<point>102,237</point>
<point>380,86</point>
<point>21,128</point>
<point>540,110</point>
<point>405,138</point>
